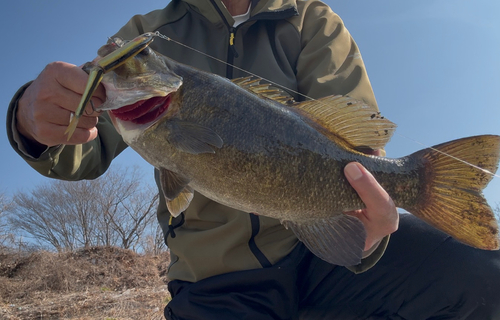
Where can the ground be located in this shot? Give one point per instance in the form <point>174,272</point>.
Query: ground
<point>94,283</point>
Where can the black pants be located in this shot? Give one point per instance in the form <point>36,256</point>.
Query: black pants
<point>424,274</point>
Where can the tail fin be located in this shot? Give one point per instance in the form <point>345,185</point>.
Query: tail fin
<point>452,198</point>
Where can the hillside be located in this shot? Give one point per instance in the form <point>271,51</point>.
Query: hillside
<point>95,283</point>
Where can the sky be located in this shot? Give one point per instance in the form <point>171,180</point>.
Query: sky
<point>434,65</point>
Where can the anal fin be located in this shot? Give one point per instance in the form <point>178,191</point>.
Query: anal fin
<point>339,240</point>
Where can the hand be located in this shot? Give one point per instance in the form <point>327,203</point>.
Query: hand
<point>44,110</point>
<point>380,217</point>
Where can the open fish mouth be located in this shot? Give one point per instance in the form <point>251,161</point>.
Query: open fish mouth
<point>143,111</point>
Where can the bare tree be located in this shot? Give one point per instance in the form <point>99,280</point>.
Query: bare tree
<point>3,207</point>
<point>5,236</point>
<point>112,210</point>
<point>127,210</point>
<point>153,242</point>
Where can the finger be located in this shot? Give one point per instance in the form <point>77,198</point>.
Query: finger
<point>84,132</point>
<point>74,79</point>
<point>64,117</point>
<point>368,189</point>
<point>59,84</point>
<point>380,216</point>
<point>50,135</point>
<point>80,136</point>
<point>49,122</point>
<point>70,100</point>
<point>55,104</point>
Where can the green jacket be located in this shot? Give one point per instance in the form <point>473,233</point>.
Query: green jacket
<point>299,44</point>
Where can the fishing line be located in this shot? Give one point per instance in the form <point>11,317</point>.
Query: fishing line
<point>157,33</point>
<point>449,155</point>
<point>164,37</point>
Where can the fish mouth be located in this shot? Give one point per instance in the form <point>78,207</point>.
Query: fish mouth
<point>143,111</point>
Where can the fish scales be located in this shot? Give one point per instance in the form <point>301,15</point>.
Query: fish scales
<point>229,141</point>
<point>270,155</point>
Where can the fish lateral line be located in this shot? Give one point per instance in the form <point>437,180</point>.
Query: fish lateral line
<point>164,37</point>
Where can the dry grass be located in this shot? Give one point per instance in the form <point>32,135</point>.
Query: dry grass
<point>95,283</point>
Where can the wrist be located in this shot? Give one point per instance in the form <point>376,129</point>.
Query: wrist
<point>24,134</point>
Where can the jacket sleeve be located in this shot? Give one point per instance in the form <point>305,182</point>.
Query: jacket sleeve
<point>330,61</point>
<point>330,64</point>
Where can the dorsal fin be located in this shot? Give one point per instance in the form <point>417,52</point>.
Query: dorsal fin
<point>266,90</point>
<point>347,121</point>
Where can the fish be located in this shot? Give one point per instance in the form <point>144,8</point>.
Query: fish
<point>248,145</point>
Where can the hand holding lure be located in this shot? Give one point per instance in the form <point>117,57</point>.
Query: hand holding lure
<point>97,68</point>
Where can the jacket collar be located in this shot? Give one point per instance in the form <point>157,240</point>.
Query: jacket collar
<point>261,9</point>
<point>274,7</point>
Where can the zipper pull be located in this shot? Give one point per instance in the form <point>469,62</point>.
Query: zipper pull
<point>231,41</point>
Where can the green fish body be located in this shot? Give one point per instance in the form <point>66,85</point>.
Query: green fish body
<point>249,147</point>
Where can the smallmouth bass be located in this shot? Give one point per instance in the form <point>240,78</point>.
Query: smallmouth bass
<point>249,147</point>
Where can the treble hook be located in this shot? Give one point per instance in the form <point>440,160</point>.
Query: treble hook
<point>93,108</point>
<point>119,45</point>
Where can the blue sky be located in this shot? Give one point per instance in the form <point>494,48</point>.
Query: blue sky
<point>434,64</point>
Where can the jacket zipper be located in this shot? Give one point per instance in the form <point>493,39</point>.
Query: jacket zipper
<point>231,53</point>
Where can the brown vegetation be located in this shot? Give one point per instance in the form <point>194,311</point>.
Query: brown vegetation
<point>118,209</point>
<point>93,283</point>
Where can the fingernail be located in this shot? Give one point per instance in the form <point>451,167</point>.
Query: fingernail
<point>352,171</point>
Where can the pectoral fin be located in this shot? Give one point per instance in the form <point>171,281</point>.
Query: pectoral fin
<point>193,138</point>
<point>178,194</point>
<point>339,240</point>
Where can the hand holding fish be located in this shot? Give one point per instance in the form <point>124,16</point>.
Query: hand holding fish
<point>380,217</point>
<point>47,105</point>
